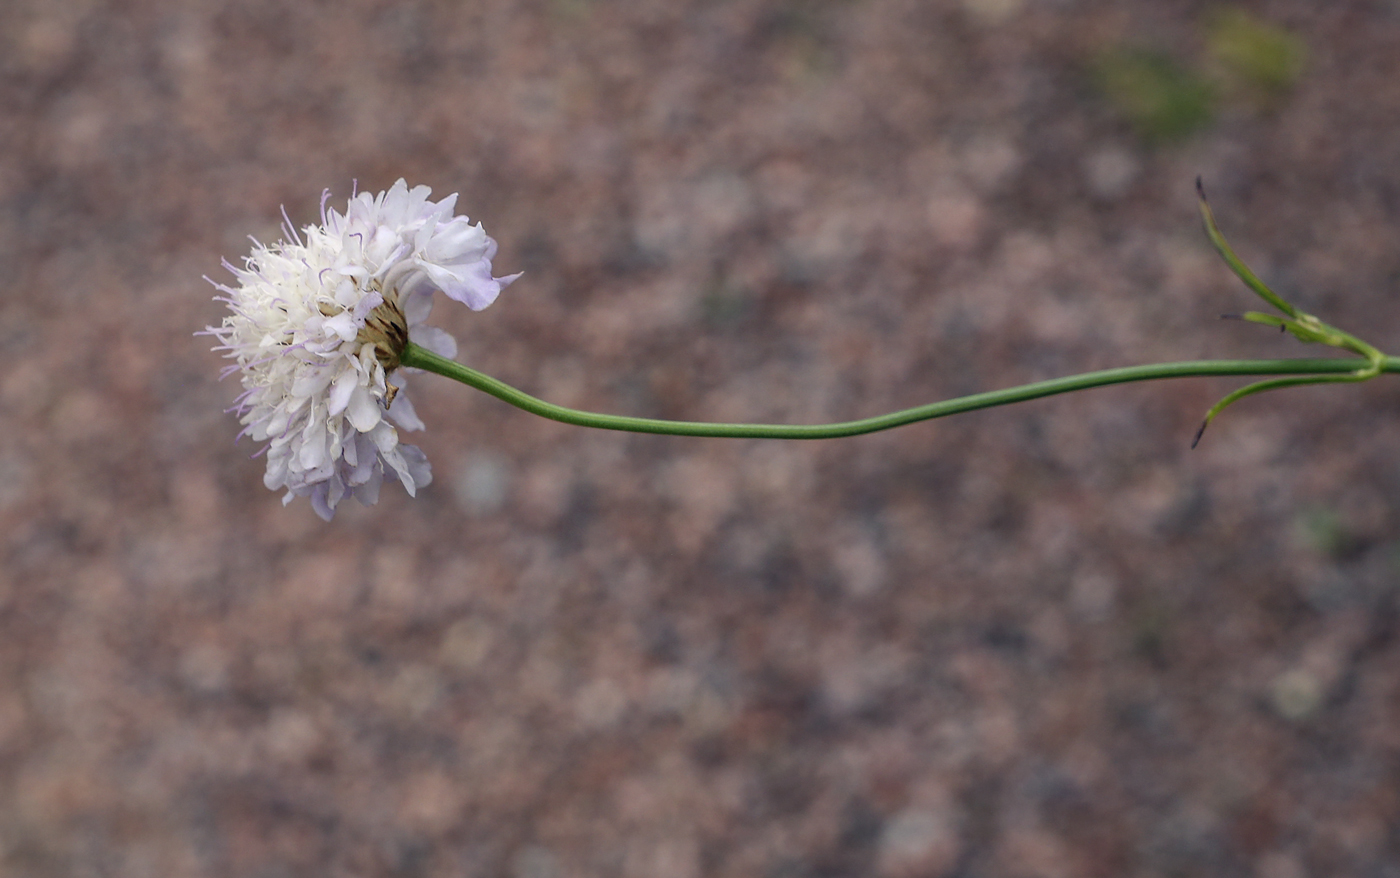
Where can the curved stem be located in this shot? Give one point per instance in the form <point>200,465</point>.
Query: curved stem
<point>420,358</point>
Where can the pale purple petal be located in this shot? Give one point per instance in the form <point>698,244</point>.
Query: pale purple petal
<point>341,389</point>
<point>363,410</point>
<point>318,502</point>
<point>416,306</point>
<point>403,414</point>
<point>367,492</point>
<point>435,340</point>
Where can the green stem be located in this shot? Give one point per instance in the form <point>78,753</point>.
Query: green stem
<point>420,358</point>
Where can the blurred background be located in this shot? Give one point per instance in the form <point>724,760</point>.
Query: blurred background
<point>1035,642</point>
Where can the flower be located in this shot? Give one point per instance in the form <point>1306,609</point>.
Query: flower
<point>318,324</point>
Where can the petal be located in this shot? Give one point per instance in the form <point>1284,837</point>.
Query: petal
<point>311,382</point>
<point>318,503</point>
<point>391,204</point>
<point>385,438</point>
<point>368,491</point>
<point>341,389</point>
<point>363,410</point>
<point>395,459</point>
<point>403,414</point>
<point>457,241</point>
<point>371,301</point>
<point>276,475</point>
<point>311,455</point>
<point>347,294</point>
<point>343,325</point>
<point>473,287</point>
<point>418,468</point>
<point>435,340</point>
<point>335,491</point>
<point>447,205</point>
<point>416,305</point>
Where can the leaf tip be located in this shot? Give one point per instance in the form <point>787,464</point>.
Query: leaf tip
<point>1200,432</point>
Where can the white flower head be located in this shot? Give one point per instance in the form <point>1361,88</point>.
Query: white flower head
<point>318,324</point>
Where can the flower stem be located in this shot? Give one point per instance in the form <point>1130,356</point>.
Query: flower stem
<point>420,358</point>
